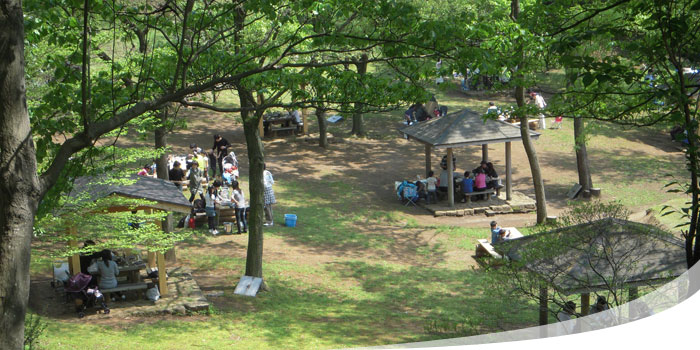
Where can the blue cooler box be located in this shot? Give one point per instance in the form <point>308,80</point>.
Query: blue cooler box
<point>290,220</point>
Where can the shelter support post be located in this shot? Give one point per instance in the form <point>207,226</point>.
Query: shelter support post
<point>585,303</point>
<point>427,160</point>
<point>162,276</point>
<point>544,310</point>
<point>73,260</point>
<point>261,128</point>
<point>485,152</point>
<point>151,260</point>
<point>509,172</point>
<point>450,179</point>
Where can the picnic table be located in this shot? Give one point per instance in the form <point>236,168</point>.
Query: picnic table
<point>282,119</point>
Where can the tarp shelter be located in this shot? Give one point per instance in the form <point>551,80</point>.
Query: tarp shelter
<point>462,129</point>
<point>591,257</point>
<point>162,194</point>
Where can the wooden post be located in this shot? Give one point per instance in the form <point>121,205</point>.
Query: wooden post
<point>151,260</point>
<point>261,127</point>
<point>544,310</point>
<point>73,260</point>
<point>450,179</point>
<point>427,160</point>
<point>585,303</point>
<point>485,152</point>
<point>162,276</point>
<point>509,172</point>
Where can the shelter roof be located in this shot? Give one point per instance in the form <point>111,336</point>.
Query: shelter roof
<point>588,257</point>
<point>464,128</point>
<point>166,195</point>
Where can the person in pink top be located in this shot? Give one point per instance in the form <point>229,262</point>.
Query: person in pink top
<point>479,181</point>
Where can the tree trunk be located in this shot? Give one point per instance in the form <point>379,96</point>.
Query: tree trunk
<point>584,170</point>
<point>541,201</point>
<point>256,159</point>
<point>162,160</point>
<point>19,194</point>
<point>358,126</point>
<point>322,128</point>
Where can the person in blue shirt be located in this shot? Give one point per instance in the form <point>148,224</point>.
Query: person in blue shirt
<point>495,231</point>
<point>467,185</point>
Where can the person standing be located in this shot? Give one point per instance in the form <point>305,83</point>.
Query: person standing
<point>431,183</point>
<point>238,199</point>
<point>220,148</point>
<point>210,200</point>
<point>269,196</point>
<point>539,102</point>
<point>195,177</point>
<point>176,175</point>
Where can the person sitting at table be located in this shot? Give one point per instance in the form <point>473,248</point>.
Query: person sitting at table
<point>422,190</point>
<point>503,235</point>
<point>492,180</point>
<point>176,175</point>
<point>146,171</point>
<point>108,271</point>
<point>87,258</point>
<point>467,186</point>
<point>296,118</point>
<point>480,182</point>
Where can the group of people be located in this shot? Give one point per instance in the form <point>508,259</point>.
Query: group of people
<point>201,168</point>
<point>100,264</point>
<point>536,99</point>
<point>419,112</point>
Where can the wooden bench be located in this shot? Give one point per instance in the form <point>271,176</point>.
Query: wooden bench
<point>128,287</point>
<point>484,248</point>
<point>274,131</point>
<point>487,192</point>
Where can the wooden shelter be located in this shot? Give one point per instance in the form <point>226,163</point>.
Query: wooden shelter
<point>598,256</point>
<point>162,194</point>
<point>462,129</point>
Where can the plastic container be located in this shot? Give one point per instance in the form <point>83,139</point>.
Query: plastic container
<point>228,227</point>
<point>290,220</point>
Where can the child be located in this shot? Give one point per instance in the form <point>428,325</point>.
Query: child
<point>479,181</point>
<point>211,199</point>
<point>431,182</point>
<point>239,201</point>
<point>495,232</point>
<point>467,185</point>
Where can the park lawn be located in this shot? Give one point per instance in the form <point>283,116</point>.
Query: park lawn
<point>345,290</point>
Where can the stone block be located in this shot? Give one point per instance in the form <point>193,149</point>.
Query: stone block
<point>468,211</point>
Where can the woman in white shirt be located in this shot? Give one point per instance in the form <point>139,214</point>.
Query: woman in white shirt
<point>238,200</point>
<point>269,196</point>
<point>210,200</point>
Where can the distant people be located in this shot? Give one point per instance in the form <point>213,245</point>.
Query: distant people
<point>210,201</point>
<point>565,314</point>
<point>145,171</point>
<point>177,175</point>
<point>443,162</point>
<point>194,149</point>
<point>557,122</point>
<point>108,270</point>
<point>503,235</point>
<point>480,181</point>
<point>495,232</point>
<point>600,305</point>
<point>240,206</point>
<point>410,114</point>
<point>296,118</point>
<point>492,109</point>
<point>87,258</point>
<point>482,166</point>
<point>269,196</point>
<point>467,185</point>
<point>541,104</point>
<point>492,180</point>
<point>220,148</point>
<point>431,185</point>
<point>195,176</point>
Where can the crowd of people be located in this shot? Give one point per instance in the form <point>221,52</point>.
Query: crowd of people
<point>213,176</point>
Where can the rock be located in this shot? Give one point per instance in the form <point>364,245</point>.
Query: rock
<point>480,210</point>
<point>468,211</point>
<point>460,212</point>
<point>490,212</point>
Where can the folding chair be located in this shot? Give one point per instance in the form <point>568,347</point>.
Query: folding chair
<point>410,194</point>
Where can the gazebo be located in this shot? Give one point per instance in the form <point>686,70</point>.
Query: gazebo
<point>597,256</point>
<point>462,129</point>
<point>162,194</point>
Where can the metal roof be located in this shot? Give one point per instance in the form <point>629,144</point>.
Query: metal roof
<point>463,128</point>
